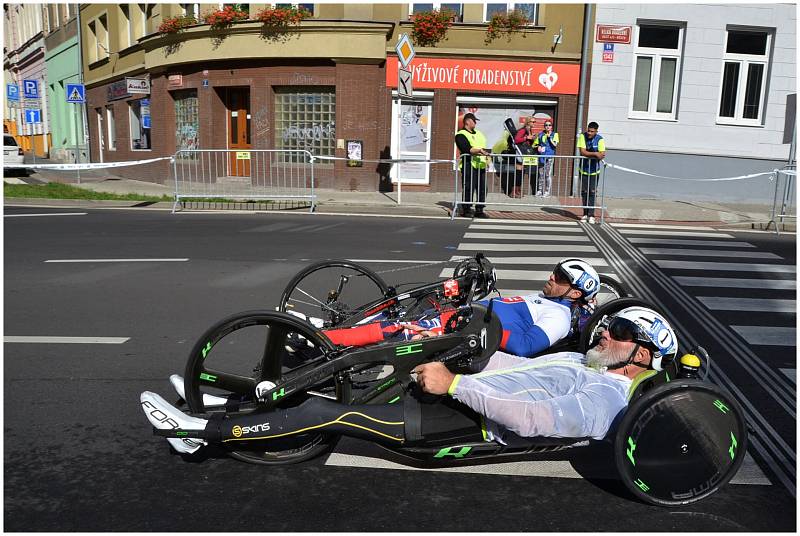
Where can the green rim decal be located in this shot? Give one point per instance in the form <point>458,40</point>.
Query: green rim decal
<point>386,384</point>
<point>642,486</point>
<point>734,444</point>
<point>447,451</point>
<point>278,394</point>
<point>720,406</point>
<point>206,349</point>
<point>409,349</point>
<point>630,449</point>
<point>208,377</point>
<point>395,399</point>
<point>181,434</point>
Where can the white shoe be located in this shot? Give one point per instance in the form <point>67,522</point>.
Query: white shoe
<point>263,388</point>
<point>314,321</point>
<point>585,218</point>
<point>538,193</point>
<point>164,416</point>
<point>208,400</point>
<point>591,219</point>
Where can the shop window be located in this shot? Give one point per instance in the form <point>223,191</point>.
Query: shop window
<point>111,126</point>
<point>745,66</point>
<point>656,71</point>
<point>458,9</point>
<point>530,10</point>
<point>187,122</point>
<point>139,118</point>
<point>306,119</point>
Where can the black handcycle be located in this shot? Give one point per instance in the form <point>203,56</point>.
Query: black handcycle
<point>679,441</point>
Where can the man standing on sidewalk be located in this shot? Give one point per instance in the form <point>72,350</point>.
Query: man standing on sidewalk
<point>471,141</point>
<point>593,149</point>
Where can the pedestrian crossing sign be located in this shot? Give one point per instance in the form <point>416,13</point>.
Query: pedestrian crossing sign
<point>76,93</point>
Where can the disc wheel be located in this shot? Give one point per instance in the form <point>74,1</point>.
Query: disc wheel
<point>610,289</point>
<point>331,292</point>
<point>680,442</point>
<point>240,351</point>
<point>591,331</point>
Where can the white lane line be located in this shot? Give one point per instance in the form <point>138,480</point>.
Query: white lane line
<point>594,261</point>
<point>487,246</point>
<point>732,282</point>
<point>522,223</point>
<point>790,373</point>
<point>517,228</point>
<point>726,266</point>
<point>655,226</point>
<point>116,260</point>
<point>524,275</point>
<point>717,303</point>
<point>64,340</point>
<point>710,253</point>
<point>767,335</point>
<point>537,237</point>
<point>49,214</point>
<point>699,243</point>
<point>673,233</point>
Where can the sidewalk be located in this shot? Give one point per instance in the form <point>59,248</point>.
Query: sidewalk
<point>433,204</point>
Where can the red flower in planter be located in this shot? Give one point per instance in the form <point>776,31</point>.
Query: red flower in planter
<point>430,27</point>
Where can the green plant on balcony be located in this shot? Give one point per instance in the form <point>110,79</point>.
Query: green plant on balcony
<point>223,18</point>
<point>279,22</point>
<point>174,25</point>
<point>430,27</point>
<point>506,23</point>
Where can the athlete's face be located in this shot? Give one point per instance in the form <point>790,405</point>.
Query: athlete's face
<point>556,285</point>
<point>608,351</point>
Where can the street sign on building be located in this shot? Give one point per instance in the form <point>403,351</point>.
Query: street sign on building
<point>138,86</point>
<point>33,116</point>
<point>612,33</point>
<point>76,93</point>
<point>30,89</point>
<point>405,52</point>
<point>12,92</point>
<point>404,84</point>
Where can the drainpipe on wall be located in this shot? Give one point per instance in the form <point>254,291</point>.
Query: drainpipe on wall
<point>83,112</point>
<point>588,12</point>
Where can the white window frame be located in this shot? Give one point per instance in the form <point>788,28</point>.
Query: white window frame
<point>744,61</point>
<point>437,6</point>
<point>657,54</point>
<point>111,128</point>
<point>510,7</point>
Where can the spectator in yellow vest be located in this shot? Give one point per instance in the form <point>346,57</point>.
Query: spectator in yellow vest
<point>471,143</point>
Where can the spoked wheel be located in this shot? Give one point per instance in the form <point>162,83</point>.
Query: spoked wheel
<point>240,351</point>
<point>330,292</point>
<point>610,289</point>
<point>680,442</point>
<point>590,333</point>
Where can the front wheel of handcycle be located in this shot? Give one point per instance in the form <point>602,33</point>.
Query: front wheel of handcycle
<point>238,353</point>
<point>680,442</point>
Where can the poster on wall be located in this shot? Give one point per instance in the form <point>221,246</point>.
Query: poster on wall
<point>414,141</point>
<point>354,151</point>
<point>491,117</point>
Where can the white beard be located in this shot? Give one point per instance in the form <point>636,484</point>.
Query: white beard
<point>598,359</point>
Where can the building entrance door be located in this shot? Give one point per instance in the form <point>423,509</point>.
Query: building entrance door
<point>237,102</point>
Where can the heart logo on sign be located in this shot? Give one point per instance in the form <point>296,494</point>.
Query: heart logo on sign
<point>548,79</point>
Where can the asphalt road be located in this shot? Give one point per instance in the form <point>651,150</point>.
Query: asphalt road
<point>79,454</point>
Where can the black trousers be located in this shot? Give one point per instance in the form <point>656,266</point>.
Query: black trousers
<point>588,192</point>
<point>474,181</point>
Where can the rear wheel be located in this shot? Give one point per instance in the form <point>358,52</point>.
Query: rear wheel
<point>610,289</point>
<point>680,443</point>
<point>240,351</point>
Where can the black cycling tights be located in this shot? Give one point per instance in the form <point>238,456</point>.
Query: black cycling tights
<point>420,418</point>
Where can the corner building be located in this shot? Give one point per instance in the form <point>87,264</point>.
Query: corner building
<point>327,85</point>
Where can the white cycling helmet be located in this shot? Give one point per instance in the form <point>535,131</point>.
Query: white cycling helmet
<point>580,275</point>
<point>648,328</point>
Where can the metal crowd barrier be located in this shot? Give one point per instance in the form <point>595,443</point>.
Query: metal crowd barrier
<point>512,183</point>
<point>252,175</point>
<point>783,202</point>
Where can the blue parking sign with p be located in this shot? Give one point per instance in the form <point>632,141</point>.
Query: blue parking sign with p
<point>76,93</point>
<point>12,92</point>
<point>30,88</point>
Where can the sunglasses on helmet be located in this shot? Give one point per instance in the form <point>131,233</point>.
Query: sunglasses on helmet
<point>622,329</point>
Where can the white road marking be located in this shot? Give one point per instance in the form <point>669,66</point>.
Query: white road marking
<point>726,266</point>
<point>790,373</point>
<point>116,260</point>
<point>768,335</point>
<point>538,238</point>
<point>523,223</point>
<point>531,228</point>
<point>488,246</point>
<point>709,253</point>
<point>526,275</point>
<point>717,303</point>
<point>64,340</point>
<point>594,261</point>
<point>700,243</point>
<point>49,214</point>
<point>732,282</point>
<point>673,233</point>
<point>656,226</point>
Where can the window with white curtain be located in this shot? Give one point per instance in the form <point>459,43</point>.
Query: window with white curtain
<point>458,9</point>
<point>744,70</point>
<point>656,70</point>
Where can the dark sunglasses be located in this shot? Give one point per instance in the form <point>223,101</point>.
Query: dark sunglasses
<point>548,124</point>
<point>561,277</point>
<point>622,329</point>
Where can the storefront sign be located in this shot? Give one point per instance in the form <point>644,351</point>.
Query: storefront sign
<point>611,33</point>
<point>139,86</point>
<point>117,90</point>
<point>175,80</point>
<point>505,76</point>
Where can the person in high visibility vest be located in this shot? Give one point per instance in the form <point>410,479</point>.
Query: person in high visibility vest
<point>546,142</point>
<point>471,144</point>
<point>593,147</point>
